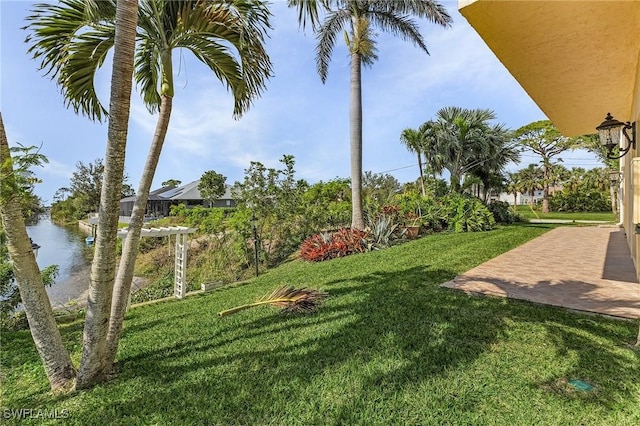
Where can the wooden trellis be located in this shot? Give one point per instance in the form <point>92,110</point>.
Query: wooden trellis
<point>181,233</point>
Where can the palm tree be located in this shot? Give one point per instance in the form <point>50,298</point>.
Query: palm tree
<point>356,19</point>
<point>55,29</point>
<point>226,36</point>
<point>42,324</point>
<point>433,159</point>
<point>412,139</point>
<point>531,178</point>
<point>465,141</point>
<point>514,186</point>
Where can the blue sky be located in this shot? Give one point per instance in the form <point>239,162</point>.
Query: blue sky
<point>296,115</point>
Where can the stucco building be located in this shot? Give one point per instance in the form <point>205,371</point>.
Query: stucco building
<point>578,60</point>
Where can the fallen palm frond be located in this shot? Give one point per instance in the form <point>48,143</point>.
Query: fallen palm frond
<point>289,299</point>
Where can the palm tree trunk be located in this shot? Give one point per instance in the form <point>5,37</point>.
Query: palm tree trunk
<point>44,330</point>
<point>122,287</point>
<point>93,367</point>
<point>531,191</point>
<point>355,123</point>
<point>455,183</point>
<point>613,199</point>
<point>424,194</point>
<point>545,193</point>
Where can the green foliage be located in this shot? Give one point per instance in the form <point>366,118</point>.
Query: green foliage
<point>464,141</point>
<point>83,194</point>
<point>21,160</point>
<point>382,230</point>
<point>275,197</point>
<point>212,185</point>
<point>157,290</point>
<point>327,205</point>
<point>10,296</point>
<point>379,189</point>
<point>502,212</point>
<point>582,200</point>
<point>71,40</point>
<point>468,214</point>
<point>171,182</point>
<point>206,220</point>
<point>543,139</point>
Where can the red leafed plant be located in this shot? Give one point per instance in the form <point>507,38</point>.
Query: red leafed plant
<point>342,242</point>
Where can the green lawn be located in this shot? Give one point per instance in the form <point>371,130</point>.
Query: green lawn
<point>526,212</point>
<point>389,346</point>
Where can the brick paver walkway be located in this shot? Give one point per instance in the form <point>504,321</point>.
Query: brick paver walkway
<point>582,268</point>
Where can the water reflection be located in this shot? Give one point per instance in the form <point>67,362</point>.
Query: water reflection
<point>62,246</point>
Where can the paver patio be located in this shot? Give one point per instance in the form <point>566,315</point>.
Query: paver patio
<point>582,268</point>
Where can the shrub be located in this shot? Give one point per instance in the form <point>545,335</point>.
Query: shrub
<point>341,243</point>
<point>502,212</point>
<point>468,214</point>
<point>589,200</point>
<point>157,290</point>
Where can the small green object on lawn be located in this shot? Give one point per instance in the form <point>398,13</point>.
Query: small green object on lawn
<point>580,385</point>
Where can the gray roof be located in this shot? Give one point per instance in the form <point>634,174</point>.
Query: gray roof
<point>153,195</point>
<point>185,192</point>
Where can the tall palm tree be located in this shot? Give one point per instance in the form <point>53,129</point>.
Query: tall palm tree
<point>227,36</point>
<point>412,139</point>
<point>356,19</point>
<point>42,324</point>
<point>56,29</point>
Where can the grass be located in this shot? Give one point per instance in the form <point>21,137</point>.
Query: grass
<point>389,346</point>
<point>526,212</point>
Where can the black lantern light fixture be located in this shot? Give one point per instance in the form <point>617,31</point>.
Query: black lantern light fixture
<point>609,133</point>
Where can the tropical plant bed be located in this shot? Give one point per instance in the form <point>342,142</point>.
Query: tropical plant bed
<point>388,346</point>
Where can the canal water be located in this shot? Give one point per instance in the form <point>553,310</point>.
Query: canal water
<point>62,246</point>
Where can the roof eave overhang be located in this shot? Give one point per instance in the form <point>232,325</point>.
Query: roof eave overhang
<point>577,60</point>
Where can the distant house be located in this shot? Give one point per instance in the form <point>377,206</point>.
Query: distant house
<point>161,200</point>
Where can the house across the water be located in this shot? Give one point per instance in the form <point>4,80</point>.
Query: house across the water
<point>161,200</point>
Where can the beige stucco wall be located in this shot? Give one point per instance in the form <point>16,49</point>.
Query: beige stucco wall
<point>632,192</point>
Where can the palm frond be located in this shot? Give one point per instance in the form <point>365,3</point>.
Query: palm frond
<point>228,37</point>
<point>398,25</point>
<point>70,40</point>
<point>334,23</point>
<point>427,9</point>
<point>290,299</point>
<point>308,10</point>
<point>147,75</point>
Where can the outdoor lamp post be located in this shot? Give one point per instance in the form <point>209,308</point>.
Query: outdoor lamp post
<point>254,222</point>
<point>609,134</point>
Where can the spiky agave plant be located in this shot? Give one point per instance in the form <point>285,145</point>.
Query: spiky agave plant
<point>289,299</point>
